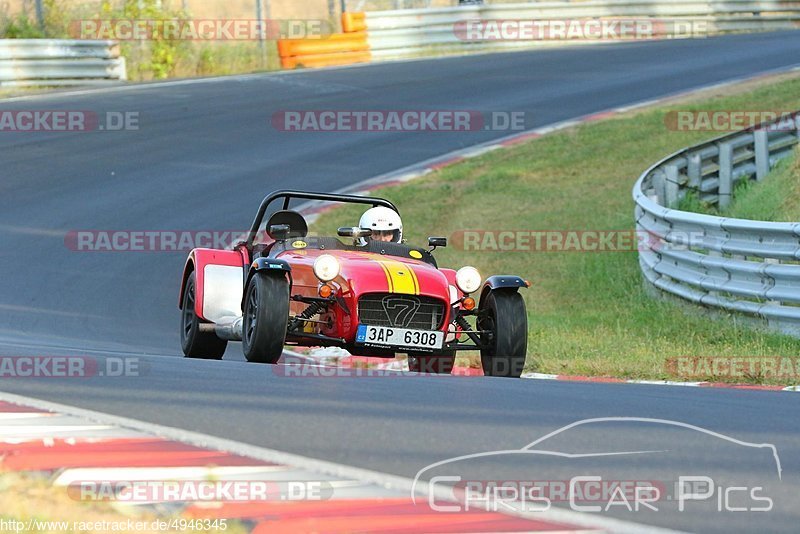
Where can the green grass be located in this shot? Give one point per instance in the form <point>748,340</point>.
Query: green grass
<point>775,199</point>
<point>589,313</point>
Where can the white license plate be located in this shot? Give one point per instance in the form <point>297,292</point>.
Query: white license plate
<point>385,336</point>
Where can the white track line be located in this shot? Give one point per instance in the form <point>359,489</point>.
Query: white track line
<point>384,480</point>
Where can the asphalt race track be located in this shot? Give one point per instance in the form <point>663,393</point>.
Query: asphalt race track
<point>204,156</point>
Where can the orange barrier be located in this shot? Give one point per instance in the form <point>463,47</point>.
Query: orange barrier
<point>336,49</point>
<point>354,22</point>
<point>337,42</point>
<point>325,60</point>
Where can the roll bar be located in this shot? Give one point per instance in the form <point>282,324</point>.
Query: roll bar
<point>288,195</point>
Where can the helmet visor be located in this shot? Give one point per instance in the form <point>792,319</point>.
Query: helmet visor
<point>386,235</point>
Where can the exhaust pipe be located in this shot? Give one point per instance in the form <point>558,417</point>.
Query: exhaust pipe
<point>229,331</point>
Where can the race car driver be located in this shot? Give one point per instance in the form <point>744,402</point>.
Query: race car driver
<point>384,223</point>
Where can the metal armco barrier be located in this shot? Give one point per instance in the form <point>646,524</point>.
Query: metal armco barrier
<point>50,62</point>
<point>736,265</point>
<point>418,32</point>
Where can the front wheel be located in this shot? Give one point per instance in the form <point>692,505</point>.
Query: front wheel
<point>437,364</point>
<point>266,316</point>
<point>197,344</point>
<point>503,315</point>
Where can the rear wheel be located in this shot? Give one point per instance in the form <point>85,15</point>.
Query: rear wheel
<point>502,313</point>
<point>266,316</point>
<point>439,364</point>
<point>197,344</point>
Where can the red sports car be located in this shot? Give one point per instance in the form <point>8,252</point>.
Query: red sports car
<point>282,286</point>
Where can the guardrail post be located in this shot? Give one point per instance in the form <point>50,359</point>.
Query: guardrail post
<point>262,34</point>
<point>725,174</point>
<point>797,125</point>
<point>659,187</point>
<point>761,138</point>
<point>40,14</point>
<point>670,185</point>
<point>694,169</point>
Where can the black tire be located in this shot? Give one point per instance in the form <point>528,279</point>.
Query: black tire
<point>502,312</point>
<point>197,344</point>
<point>437,364</point>
<point>266,316</point>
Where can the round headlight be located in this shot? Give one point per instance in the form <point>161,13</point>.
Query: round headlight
<point>468,279</point>
<point>326,267</point>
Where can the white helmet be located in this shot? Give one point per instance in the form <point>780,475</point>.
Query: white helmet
<point>381,219</point>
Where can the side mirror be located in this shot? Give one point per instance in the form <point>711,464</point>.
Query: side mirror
<point>354,232</point>
<point>437,242</point>
<point>279,232</point>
